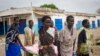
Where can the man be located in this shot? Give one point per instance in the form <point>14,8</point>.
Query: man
<point>29,36</point>
<point>85,40</point>
<point>16,20</point>
<point>67,37</point>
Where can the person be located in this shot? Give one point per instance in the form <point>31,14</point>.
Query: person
<point>29,36</point>
<point>85,39</point>
<point>67,37</point>
<point>56,41</point>
<point>13,43</point>
<point>46,38</point>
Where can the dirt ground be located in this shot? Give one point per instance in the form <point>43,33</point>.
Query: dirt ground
<point>96,49</point>
<point>2,46</point>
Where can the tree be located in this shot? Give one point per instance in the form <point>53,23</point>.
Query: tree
<point>98,11</point>
<point>52,6</point>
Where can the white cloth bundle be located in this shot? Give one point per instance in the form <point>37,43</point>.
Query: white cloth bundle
<point>51,31</point>
<point>33,49</point>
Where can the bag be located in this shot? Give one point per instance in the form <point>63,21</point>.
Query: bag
<point>84,48</point>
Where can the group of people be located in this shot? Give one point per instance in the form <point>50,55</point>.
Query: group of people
<point>66,40</point>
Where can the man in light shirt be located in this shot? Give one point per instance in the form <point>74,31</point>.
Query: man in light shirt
<point>67,37</point>
<point>29,36</point>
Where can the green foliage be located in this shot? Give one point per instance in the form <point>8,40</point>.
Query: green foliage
<point>52,6</point>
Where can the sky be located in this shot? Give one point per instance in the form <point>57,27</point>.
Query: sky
<point>85,6</point>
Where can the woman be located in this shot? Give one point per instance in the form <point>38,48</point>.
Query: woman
<point>46,39</point>
<point>13,43</point>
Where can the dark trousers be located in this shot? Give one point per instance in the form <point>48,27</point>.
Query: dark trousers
<point>83,54</point>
